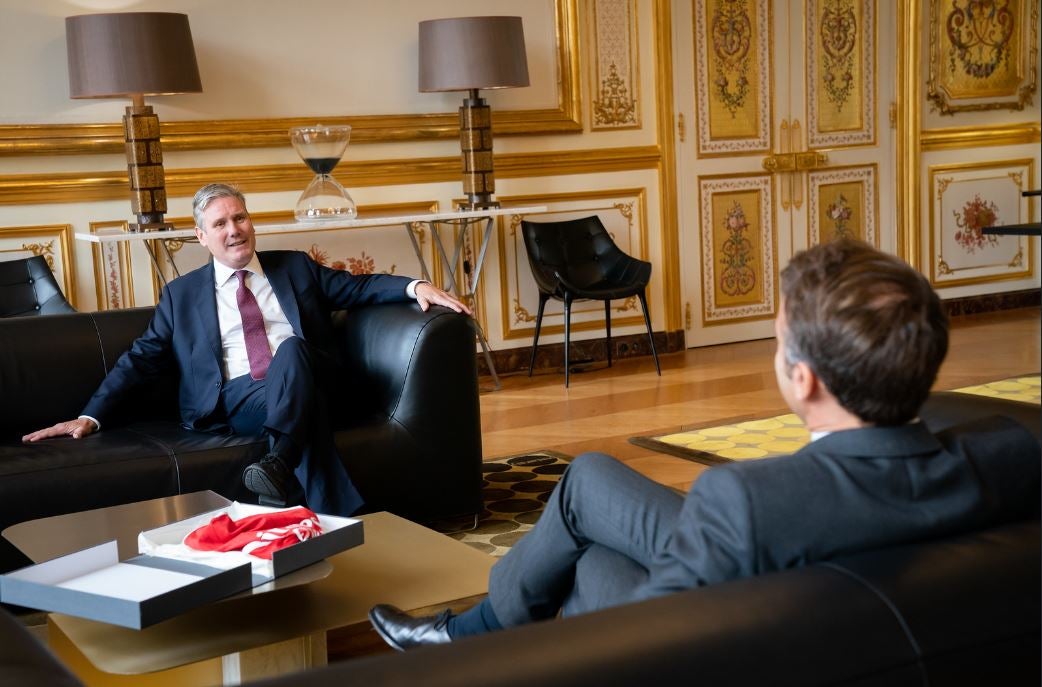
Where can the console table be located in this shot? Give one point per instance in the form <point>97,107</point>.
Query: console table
<point>464,219</point>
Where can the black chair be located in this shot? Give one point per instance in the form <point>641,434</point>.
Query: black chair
<point>577,260</point>
<point>28,287</point>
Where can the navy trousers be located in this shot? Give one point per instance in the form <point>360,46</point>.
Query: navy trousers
<point>292,401</point>
<point>592,546</point>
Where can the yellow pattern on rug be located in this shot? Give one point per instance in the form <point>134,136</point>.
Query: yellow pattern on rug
<point>784,434</point>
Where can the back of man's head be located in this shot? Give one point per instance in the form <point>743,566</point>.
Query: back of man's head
<point>868,325</point>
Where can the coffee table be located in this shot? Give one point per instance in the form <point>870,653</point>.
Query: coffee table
<point>251,635</point>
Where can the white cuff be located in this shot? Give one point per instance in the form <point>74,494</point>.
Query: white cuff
<point>97,425</point>
<point>410,290</point>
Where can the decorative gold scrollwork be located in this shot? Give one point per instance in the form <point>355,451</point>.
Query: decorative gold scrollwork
<point>795,162</point>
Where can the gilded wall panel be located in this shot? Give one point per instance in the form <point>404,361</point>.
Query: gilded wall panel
<point>113,276</point>
<point>841,75</point>
<point>983,55</point>
<point>53,242</point>
<point>732,76</point>
<point>614,65</point>
<point>738,248</point>
<point>624,214</point>
<point>965,198</point>
<point>843,204</point>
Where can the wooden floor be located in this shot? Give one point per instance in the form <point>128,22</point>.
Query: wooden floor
<point>603,408</point>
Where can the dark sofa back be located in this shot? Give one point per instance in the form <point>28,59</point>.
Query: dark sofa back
<point>961,611</point>
<point>50,366</point>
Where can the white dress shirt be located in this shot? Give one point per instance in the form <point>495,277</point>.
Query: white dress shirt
<point>233,344</point>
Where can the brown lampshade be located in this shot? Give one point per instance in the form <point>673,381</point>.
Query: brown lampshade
<point>127,53</point>
<point>465,53</point>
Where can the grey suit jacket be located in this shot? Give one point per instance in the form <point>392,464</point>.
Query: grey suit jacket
<point>848,491</point>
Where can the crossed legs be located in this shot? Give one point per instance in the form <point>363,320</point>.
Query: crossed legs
<point>602,510</point>
<point>290,406</point>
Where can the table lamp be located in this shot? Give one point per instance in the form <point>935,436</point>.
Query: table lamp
<point>131,55</point>
<point>469,54</point>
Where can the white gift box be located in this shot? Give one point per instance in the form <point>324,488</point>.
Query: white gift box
<point>164,581</point>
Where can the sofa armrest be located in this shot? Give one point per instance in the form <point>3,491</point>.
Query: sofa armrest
<point>944,409</point>
<point>414,375</point>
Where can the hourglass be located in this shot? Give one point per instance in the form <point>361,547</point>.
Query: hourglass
<point>321,148</point>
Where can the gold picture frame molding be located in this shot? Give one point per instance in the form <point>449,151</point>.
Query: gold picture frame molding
<point>51,233</point>
<point>82,139</point>
<point>67,187</point>
<point>639,194</point>
<point>933,222</point>
<point>955,138</point>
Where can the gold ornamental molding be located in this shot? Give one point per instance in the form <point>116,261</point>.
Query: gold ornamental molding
<point>27,189</point>
<point>976,136</point>
<point>77,139</point>
<point>670,224</point>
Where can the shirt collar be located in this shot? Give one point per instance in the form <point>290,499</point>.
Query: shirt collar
<point>222,273</point>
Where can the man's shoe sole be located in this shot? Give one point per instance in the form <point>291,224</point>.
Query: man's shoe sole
<point>257,480</point>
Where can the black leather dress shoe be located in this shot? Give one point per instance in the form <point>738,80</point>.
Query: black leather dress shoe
<point>269,478</point>
<point>402,631</point>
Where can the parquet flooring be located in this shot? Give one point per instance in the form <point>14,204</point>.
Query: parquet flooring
<point>604,407</point>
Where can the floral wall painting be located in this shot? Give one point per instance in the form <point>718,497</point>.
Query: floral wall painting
<point>737,248</point>
<point>841,44</point>
<point>967,198</point>
<point>983,54</point>
<point>733,66</point>
<point>113,277</point>
<point>615,70</point>
<point>843,204</point>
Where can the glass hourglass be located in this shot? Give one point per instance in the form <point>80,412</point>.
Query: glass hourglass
<point>321,148</point>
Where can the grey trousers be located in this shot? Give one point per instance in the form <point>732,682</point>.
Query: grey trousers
<point>592,546</point>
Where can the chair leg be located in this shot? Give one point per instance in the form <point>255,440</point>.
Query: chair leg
<point>567,337</point>
<point>538,325</point>
<point>607,327</point>
<point>651,337</point>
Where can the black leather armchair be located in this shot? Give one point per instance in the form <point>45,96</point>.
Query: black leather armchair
<point>577,260</point>
<point>28,287</point>
<point>408,427</point>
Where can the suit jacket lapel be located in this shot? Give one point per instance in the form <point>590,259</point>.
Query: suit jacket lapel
<point>282,287</point>
<point>209,313</point>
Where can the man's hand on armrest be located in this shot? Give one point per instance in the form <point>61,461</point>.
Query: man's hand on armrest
<point>427,294</point>
<point>77,429</point>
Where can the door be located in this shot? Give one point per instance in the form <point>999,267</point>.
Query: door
<point>783,141</point>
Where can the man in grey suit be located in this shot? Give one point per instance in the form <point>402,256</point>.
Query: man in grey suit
<point>860,338</point>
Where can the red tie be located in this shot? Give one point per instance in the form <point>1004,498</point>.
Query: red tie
<point>252,329</point>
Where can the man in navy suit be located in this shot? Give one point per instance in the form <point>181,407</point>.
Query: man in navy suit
<point>860,338</point>
<point>251,338</point>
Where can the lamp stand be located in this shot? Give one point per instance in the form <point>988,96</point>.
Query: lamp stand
<point>145,167</point>
<point>475,137</point>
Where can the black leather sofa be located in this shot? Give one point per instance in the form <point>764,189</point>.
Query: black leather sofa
<point>958,611</point>
<point>408,420</point>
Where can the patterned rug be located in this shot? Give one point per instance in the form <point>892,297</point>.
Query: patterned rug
<point>515,489</point>
<point>747,438</point>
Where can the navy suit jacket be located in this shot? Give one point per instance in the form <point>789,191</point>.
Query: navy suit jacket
<point>184,334</point>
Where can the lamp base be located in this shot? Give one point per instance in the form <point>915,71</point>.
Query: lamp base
<point>475,134</point>
<point>477,203</point>
<point>149,226</point>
